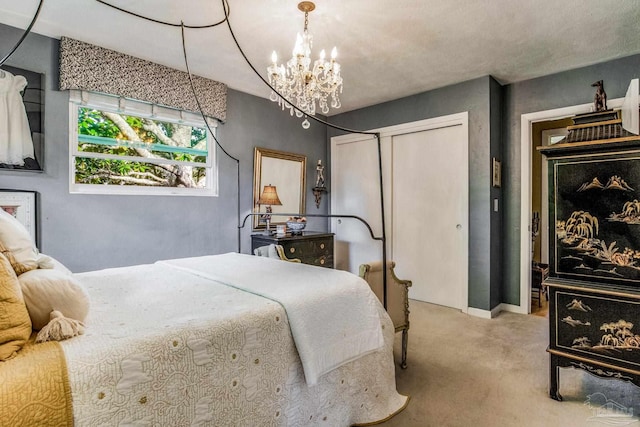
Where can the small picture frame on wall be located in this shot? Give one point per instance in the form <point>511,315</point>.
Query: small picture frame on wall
<point>22,206</point>
<point>497,173</point>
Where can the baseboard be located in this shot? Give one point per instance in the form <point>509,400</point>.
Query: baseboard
<point>486,314</point>
<point>477,312</point>
<point>511,308</point>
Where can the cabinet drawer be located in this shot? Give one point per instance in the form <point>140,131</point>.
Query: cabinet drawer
<point>312,251</point>
<point>311,247</point>
<point>597,326</point>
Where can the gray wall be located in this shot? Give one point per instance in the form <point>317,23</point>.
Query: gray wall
<point>88,232</point>
<point>546,93</point>
<point>494,131</point>
<point>475,97</point>
<point>496,111</point>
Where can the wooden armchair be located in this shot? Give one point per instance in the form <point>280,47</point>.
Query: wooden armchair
<point>397,298</point>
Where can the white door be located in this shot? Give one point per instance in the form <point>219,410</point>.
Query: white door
<point>425,174</point>
<point>355,184</point>
<point>429,206</point>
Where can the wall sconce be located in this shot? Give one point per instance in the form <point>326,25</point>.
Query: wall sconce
<point>269,197</point>
<point>320,186</point>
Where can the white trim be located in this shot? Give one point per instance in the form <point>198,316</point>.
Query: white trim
<point>477,312</point>
<point>526,123</point>
<point>486,314</point>
<point>457,119</point>
<point>507,307</point>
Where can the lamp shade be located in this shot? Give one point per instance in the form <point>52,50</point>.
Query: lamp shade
<point>269,196</point>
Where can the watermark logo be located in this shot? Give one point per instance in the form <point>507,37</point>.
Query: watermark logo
<point>607,411</point>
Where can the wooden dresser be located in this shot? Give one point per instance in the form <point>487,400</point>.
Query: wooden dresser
<point>310,247</point>
<point>594,254</point>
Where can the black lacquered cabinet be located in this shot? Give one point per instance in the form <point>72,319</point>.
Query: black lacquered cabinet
<point>594,253</point>
<point>594,328</point>
<point>310,247</point>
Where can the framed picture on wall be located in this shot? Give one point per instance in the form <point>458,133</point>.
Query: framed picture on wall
<point>22,206</point>
<point>25,111</point>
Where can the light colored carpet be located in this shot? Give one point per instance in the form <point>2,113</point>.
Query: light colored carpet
<point>468,371</point>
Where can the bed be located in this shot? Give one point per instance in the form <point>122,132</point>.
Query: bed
<point>228,339</point>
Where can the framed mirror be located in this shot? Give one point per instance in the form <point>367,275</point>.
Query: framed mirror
<point>284,171</point>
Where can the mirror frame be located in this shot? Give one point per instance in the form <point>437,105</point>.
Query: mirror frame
<point>287,171</point>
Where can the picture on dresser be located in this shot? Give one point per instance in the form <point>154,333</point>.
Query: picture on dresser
<point>21,119</point>
<point>597,217</point>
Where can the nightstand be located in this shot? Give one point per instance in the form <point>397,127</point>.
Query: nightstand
<point>310,247</point>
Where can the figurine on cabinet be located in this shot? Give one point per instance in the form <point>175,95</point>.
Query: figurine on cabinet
<point>600,98</point>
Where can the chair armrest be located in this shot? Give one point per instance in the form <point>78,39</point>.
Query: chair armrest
<point>283,256</point>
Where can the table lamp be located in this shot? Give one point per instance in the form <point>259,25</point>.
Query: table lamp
<point>269,197</point>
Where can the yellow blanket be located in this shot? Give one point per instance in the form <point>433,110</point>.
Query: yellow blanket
<point>34,387</point>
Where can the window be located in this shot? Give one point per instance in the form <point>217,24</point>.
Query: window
<point>121,146</point>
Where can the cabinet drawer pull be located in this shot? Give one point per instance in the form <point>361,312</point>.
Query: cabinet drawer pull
<point>292,250</point>
<point>321,245</point>
<point>322,262</point>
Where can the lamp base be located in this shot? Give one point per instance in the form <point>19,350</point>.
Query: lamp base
<point>267,230</point>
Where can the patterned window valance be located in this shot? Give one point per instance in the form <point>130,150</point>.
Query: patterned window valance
<point>93,68</point>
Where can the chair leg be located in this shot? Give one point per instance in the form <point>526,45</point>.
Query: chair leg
<point>539,297</point>
<point>405,339</point>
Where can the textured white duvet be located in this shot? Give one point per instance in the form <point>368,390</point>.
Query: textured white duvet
<point>166,347</point>
<point>333,314</point>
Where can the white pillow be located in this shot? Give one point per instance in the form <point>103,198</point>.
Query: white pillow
<point>47,262</point>
<point>17,239</point>
<point>45,290</point>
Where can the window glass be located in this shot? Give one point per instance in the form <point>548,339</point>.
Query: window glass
<point>118,147</point>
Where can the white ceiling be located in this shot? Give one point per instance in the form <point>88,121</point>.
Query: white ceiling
<point>388,48</point>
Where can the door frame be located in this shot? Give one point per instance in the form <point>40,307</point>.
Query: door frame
<point>547,134</point>
<point>526,143</point>
<point>386,133</point>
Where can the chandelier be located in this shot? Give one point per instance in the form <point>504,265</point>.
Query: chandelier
<point>302,85</point>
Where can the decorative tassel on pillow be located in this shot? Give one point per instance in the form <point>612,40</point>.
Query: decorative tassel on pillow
<point>60,328</point>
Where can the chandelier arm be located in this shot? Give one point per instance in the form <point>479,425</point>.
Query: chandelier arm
<point>226,16</point>
<point>331,125</point>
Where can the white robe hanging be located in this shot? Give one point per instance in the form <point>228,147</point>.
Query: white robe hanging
<point>15,135</point>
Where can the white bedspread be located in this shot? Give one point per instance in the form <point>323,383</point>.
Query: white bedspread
<point>165,347</point>
<point>333,314</point>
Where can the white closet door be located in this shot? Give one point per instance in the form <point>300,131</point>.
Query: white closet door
<point>355,190</point>
<point>430,220</point>
<point>425,172</point>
